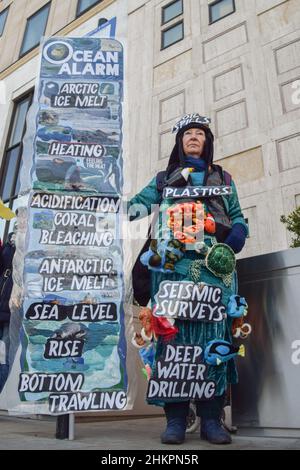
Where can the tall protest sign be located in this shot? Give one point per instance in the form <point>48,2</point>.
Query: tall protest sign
<point>78,138</point>
<point>73,342</point>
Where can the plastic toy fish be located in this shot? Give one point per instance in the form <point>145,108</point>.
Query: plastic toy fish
<point>209,223</point>
<point>219,351</point>
<point>237,306</point>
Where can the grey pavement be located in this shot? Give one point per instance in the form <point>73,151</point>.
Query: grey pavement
<point>130,434</point>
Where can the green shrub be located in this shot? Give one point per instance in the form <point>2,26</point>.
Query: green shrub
<point>292,222</point>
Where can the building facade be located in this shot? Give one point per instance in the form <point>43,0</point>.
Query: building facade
<point>237,61</point>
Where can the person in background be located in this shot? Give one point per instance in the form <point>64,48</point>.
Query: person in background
<point>7,252</point>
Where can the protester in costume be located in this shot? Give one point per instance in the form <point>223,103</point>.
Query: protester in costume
<point>211,262</point>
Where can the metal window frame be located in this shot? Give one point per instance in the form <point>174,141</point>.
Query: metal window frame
<point>221,18</point>
<point>162,47</point>
<point>47,5</point>
<point>166,6</point>
<point>78,13</point>
<point>1,12</point>
<point>4,164</point>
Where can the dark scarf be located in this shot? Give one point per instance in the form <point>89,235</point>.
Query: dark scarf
<point>197,163</point>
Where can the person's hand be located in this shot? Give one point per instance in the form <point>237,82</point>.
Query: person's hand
<point>236,238</point>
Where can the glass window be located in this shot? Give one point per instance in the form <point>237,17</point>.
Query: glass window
<point>171,11</point>
<point>84,5</point>
<point>3,16</point>
<point>12,160</point>
<point>10,169</point>
<point>172,35</point>
<point>19,122</point>
<point>220,9</point>
<point>35,29</point>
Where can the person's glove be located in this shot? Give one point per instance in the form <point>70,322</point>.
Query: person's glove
<point>237,237</point>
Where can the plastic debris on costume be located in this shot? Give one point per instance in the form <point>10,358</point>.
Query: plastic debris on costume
<point>219,351</point>
<point>145,340</point>
<point>237,309</point>
<point>145,318</point>
<point>162,255</point>
<point>147,355</point>
<point>209,223</point>
<point>237,306</point>
<point>188,219</point>
<point>240,329</point>
<point>220,260</point>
